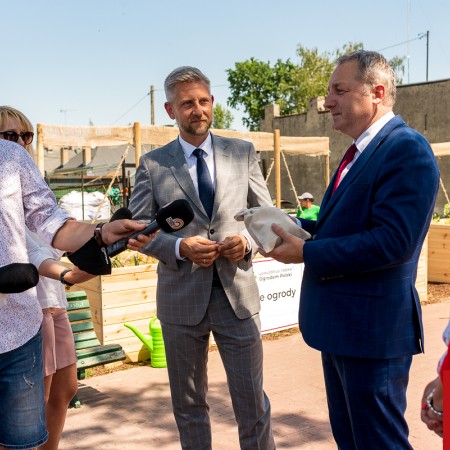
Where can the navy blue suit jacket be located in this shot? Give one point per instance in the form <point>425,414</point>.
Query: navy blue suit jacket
<point>358,294</point>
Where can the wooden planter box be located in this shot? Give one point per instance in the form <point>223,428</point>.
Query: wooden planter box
<point>127,295</point>
<point>422,273</point>
<point>439,253</point>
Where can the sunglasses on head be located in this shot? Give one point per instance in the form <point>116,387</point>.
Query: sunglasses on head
<point>27,136</point>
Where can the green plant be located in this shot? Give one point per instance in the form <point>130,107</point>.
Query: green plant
<point>444,217</point>
<point>132,258</point>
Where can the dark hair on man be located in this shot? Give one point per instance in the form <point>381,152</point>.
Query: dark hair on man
<point>373,68</point>
<point>184,74</point>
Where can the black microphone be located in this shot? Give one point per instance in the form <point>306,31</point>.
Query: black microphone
<point>121,213</point>
<point>18,277</point>
<point>172,217</point>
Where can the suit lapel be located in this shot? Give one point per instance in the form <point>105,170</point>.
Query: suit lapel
<point>222,162</point>
<point>330,200</point>
<point>178,166</point>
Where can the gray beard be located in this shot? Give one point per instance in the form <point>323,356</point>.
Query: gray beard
<point>193,132</point>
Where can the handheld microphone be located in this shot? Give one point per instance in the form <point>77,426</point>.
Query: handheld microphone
<point>172,217</point>
<point>18,277</point>
<point>121,213</point>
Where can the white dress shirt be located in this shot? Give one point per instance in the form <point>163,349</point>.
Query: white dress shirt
<point>364,140</point>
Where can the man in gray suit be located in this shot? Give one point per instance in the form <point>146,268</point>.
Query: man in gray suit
<point>205,275</point>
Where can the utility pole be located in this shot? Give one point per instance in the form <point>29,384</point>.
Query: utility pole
<point>428,46</point>
<point>64,111</point>
<point>427,35</point>
<point>152,105</point>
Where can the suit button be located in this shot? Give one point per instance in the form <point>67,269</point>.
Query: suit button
<point>211,231</point>
<point>314,237</point>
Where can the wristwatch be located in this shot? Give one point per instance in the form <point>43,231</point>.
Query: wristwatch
<point>62,275</point>
<point>98,234</point>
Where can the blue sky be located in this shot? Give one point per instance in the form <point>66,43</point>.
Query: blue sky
<point>69,62</point>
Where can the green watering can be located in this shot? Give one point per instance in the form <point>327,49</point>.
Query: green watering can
<point>153,341</point>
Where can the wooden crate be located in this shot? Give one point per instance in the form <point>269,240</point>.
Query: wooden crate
<point>439,253</point>
<point>422,273</point>
<point>127,295</point>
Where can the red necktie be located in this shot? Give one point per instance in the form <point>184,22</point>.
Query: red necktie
<point>348,158</point>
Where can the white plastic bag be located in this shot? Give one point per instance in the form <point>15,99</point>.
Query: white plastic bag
<point>259,220</point>
<point>75,202</point>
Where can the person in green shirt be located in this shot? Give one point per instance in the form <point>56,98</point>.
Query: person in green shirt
<point>307,209</point>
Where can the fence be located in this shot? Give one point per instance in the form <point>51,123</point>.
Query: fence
<point>116,191</point>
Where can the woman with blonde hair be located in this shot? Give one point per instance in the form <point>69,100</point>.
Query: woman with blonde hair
<point>60,369</point>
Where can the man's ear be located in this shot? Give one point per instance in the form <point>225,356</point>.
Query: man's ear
<point>168,108</point>
<point>379,92</point>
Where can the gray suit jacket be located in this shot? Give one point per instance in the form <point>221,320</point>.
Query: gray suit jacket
<point>184,288</point>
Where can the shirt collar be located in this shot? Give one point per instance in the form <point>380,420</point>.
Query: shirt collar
<point>188,148</point>
<point>364,140</point>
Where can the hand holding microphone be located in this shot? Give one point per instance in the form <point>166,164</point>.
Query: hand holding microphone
<point>171,217</point>
<point>94,259</point>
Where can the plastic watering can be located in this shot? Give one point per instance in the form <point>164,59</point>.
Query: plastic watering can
<point>153,341</point>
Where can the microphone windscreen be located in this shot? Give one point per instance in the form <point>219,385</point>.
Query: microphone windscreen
<point>175,215</point>
<point>121,213</point>
<point>18,277</point>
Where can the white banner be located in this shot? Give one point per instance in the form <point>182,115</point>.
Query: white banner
<point>279,290</point>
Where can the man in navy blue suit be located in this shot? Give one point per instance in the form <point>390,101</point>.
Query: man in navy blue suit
<point>359,305</point>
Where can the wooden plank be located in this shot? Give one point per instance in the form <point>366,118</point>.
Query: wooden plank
<point>121,279</point>
<point>98,350</point>
<point>76,316</point>
<point>84,326</point>
<point>75,295</point>
<point>133,345</point>
<point>139,355</point>
<point>439,253</point>
<point>77,304</point>
<point>85,336</point>
<point>422,273</point>
<point>101,359</point>
<point>115,332</point>
<point>123,314</point>
<point>144,296</point>
<point>86,344</point>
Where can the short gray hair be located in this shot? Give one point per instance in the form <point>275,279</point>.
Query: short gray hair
<point>184,74</point>
<point>373,68</point>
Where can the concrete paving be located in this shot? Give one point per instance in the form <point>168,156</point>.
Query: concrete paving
<point>130,410</point>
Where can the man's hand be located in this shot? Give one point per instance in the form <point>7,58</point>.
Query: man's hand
<point>233,247</point>
<point>136,244</point>
<point>199,250</point>
<point>431,420</point>
<point>289,251</point>
<point>113,231</point>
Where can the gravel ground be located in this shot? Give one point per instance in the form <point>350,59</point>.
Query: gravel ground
<point>438,292</point>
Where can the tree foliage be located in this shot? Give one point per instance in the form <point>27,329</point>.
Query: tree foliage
<point>222,117</point>
<point>255,84</point>
<point>398,64</point>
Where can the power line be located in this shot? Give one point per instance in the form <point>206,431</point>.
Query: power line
<point>134,106</point>
<point>146,95</point>
<point>420,36</point>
